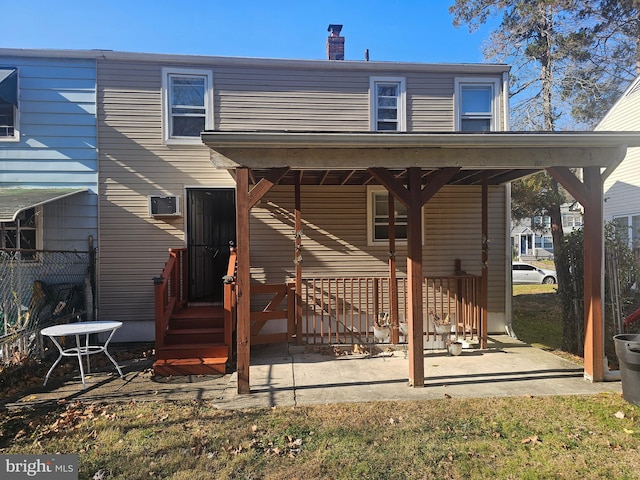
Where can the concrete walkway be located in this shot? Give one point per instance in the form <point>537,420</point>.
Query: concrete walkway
<point>282,376</point>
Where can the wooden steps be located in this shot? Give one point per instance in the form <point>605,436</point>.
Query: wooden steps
<point>193,343</point>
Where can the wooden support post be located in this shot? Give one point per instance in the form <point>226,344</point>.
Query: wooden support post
<point>298,256</point>
<point>593,276</point>
<point>243,279</point>
<point>414,274</point>
<point>393,283</point>
<point>484,289</point>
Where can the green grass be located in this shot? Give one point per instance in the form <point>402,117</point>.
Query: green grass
<point>526,437</point>
<point>522,437</point>
<point>537,316</point>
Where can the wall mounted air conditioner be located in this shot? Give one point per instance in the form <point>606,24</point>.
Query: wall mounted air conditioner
<point>164,205</point>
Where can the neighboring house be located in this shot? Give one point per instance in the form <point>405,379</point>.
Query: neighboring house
<point>48,156</point>
<point>48,170</point>
<point>531,238</point>
<point>622,185</point>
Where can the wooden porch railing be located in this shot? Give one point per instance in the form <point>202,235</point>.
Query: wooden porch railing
<point>230,298</point>
<point>171,291</point>
<point>343,310</point>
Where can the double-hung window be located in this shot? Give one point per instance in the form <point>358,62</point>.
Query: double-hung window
<point>378,213</point>
<point>188,104</point>
<point>477,104</point>
<point>388,104</point>
<point>9,104</point>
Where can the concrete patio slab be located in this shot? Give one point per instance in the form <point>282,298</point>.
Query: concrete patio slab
<point>283,376</point>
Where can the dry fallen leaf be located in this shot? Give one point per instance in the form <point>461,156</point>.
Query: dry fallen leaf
<point>533,440</point>
<point>619,414</point>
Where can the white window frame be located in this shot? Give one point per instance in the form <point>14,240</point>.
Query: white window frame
<point>167,118</point>
<point>494,83</point>
<point>371,240</point>
<point>16,116</point>
<point>401,106</point>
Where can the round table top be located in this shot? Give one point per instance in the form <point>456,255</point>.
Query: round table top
<point>81,328</point>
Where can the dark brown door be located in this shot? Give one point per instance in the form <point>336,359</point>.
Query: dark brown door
<point>211,225</point>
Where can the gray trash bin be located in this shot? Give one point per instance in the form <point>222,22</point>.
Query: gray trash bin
<point>628,352</point>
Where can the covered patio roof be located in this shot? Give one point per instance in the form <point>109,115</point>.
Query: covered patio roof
<point>338,158</point>
<point>413,167</point>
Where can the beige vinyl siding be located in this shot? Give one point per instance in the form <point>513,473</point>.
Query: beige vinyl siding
<point>430,102</point>
<point>289,99</point>
<point>622,187</point>
<point>335,236</point>
<point>134,163</point>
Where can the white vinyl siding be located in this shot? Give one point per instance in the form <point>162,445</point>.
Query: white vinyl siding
<point>622,186</point>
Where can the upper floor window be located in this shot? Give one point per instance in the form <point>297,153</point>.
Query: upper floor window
<point>187,104</point>
<point>476,104</point>
<point>387,97</point>
<point>542,221</point>
<point>23,234</point>
<point>570,220</point>
<point>9,104</point>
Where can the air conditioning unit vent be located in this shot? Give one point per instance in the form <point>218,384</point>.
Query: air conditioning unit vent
<point>164,205</point>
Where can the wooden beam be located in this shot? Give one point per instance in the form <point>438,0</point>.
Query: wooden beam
<point>593,276</point>
<point>414,278</point>
<point>571,183</point>
<point>265,184</point>
<point>392,184</point>
<point>243,279</point>
<point>344,158</point>
<point>437,181</point>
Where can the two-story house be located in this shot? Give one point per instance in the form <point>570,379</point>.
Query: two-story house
<point>371,191</point>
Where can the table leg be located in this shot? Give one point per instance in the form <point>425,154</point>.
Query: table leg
<point>46,379</point>
<point>106,344</point>
<point>79,348</point>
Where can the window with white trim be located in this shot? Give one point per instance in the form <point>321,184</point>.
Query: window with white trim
<point>23,234</point>
<point>378,217</point>
<point>477,104</point>
<point>187,104</point>
<point>9,113</point>
<point>388,104</point>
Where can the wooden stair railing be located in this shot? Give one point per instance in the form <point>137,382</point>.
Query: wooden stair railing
<point>230,299</point>
<point>170,290</point>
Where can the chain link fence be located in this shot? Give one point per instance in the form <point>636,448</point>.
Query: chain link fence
<point>37,289</point>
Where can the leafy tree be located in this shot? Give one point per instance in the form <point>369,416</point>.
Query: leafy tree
<point>565,57</point>
<point>601,74</point>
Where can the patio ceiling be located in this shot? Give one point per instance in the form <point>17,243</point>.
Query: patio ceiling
<point>333,158</point>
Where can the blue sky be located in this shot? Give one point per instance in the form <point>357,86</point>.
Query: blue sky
<point>409,30</point>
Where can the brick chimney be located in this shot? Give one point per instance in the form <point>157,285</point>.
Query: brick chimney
<point>335,43</point>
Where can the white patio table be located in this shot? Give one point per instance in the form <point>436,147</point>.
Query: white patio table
<point>82,348</point>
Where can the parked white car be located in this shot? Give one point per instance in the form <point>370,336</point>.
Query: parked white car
<point>527,273</point>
